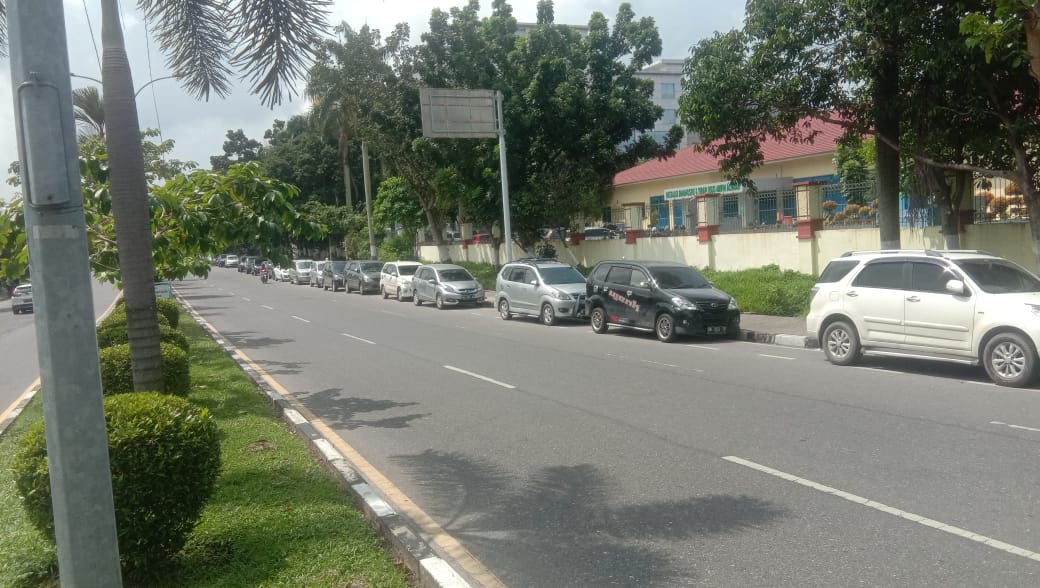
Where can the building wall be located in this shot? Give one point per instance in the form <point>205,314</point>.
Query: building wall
<point>737,251</point>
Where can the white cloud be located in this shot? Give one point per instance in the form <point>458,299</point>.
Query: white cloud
<point>198,127</point>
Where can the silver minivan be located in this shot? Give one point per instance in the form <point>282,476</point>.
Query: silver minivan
<point>446,284</point>
<point>300,271</point>
<point>545,288</point>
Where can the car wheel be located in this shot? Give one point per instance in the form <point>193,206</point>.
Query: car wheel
<point>841,343</point>
<point>383,290</point>
<point>503,310</point>
<point>548,315</point>
<point>664,326</point>
<point>1010,360</point>
<point>440,302</point>
<point>415,299</point>
<point>398,295</point>
<point>598,320</point>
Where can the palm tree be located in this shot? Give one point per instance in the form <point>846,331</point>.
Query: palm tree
<point>268,42</point>
<point>89,111</point>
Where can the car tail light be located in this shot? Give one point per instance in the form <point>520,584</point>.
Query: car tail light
<point>812,292</point>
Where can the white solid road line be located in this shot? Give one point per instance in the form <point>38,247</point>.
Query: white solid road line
<point>358,339</point>
<point>479,377</point>
<point>671,365</point>
<point>927,522</point>
<point>1015,426</point>
<point>705,347</point>
<point>267,307</point>
<point>300,319</point>
<point>774,356</point>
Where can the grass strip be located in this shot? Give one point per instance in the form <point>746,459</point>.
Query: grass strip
<point>277,518</point>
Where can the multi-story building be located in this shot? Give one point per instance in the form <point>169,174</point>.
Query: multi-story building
<point>666,75</point>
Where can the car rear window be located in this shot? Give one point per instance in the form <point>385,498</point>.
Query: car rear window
<point>407,270</point>
<point>836,270</point>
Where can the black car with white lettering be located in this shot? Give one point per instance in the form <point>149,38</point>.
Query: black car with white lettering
<point>666,297</point>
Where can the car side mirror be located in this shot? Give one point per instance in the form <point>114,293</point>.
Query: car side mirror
<point>956,287</point>
<point>533,282</point>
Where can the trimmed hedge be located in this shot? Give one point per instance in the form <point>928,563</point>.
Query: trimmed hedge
<point>169,308</point>
<point>165,459</point>
<point>118,317</point>
<point>116,334</point>
<point>117,376</point>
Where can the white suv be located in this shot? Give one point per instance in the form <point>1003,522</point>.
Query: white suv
<point>963,306</point>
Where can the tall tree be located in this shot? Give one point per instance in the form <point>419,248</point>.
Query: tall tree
<point>238,148</point>
<point>271,44</point>
<point>299,153</point>
<point>89,111</point>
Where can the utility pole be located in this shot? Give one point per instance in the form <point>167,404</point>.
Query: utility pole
<point>507,229</point>
<point>368,201</point>
<point>55,229</point>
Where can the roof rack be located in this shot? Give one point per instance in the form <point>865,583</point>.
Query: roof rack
<point>535,259</point>
<point>928,252</point>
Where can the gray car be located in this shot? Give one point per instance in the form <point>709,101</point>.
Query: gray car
<point>300,271</point>
<point>446,285</point>
<point>363,275</point>
<point>545,288</point>
<point>333,275</point>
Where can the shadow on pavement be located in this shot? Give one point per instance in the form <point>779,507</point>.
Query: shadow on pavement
<point>349,412</point>
<point>565,526</point>
<point>250,340</point>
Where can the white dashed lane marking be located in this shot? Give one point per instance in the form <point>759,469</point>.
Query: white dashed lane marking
<point>300,319</point>
<point>479,377</point>
<point>1035,430</point>
<point>267,307</point>
<point>358,339</point>
<point>927,522</point>
<point>246,299</point>
<point>774,356</point>
<point>704,347</point>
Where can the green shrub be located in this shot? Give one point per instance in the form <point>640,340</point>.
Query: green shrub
<point>766,290</point>
<point>118,317</point>
<point>397,247</point>
<point>115,334</point>
<point>165,459</point>
<point>485,273</point>
<point>170,309</point>
<point>117,377</point>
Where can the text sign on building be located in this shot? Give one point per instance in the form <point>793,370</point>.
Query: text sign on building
<point>450,113</point>
<point>691,191</point>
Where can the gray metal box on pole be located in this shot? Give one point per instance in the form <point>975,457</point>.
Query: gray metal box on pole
<point>55,227</point>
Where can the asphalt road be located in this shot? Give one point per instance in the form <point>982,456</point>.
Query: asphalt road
<point>18,360</point>
<point>559,457</point>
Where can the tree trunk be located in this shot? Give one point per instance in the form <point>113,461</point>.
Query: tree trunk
<point>129,192</point>
<point>344,149</point>
<point>887,160</point>
<point>1032,26</point>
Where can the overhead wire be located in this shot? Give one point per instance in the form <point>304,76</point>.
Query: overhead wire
<point>90,27</point>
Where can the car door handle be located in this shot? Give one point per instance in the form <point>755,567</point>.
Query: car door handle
<point>628,293</point>
<point>912,299</point>
<point>852,294</point>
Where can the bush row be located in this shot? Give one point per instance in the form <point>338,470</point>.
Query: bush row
<point>114,350</point>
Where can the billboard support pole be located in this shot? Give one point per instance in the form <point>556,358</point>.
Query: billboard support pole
<point>507,230</point>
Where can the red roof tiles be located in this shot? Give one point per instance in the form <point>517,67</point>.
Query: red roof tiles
<point>691,161</point>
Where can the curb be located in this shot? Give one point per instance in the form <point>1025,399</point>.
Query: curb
<point>429,570</point>
<point>800,341</point>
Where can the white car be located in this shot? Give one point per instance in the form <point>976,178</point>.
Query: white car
<point>396,279</point>
<point>231,261</point>
<point>300,271</point>
<point>280,274</point>
<point>969,307</point>
<point>22,299</point>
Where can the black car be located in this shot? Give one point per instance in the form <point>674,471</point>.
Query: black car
<point>332,275</point>
<point>666,297</point>
<point>363,275</point>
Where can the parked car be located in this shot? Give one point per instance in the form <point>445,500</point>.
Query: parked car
<point>482,239</point>
<point>396,278</point>
<point>363,275</point>
<point>333,275</point>
<point>660,296</point>
<point>555,234</point>
<point>247,263</point>
<point>445,284</point>
<point>316,274</point>
<point>220,259</point>
<point>22,299</point>
<point>968,307</point>
<point>596,233</point>
<point>545,288</point>
<point>257,264</point>
<point>300,271</point>
<point>231,261</point>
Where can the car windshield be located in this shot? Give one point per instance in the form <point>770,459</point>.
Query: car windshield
<point>304,264</point>
<point>23,289</point>
<point>337,266</point>
<point>998,276</point>
<point>407,270</point>
<point>678,278</point>
<point>562,275</point>
<point>371,267</point>
<point>455,275</point>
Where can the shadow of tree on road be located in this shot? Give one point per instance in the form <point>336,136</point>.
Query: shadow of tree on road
<point>347,412</point>
<point>562,526</point>
<point>251,340</point>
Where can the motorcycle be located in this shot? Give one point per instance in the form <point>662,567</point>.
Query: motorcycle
<point>263,275</point>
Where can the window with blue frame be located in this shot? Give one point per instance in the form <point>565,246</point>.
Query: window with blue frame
<point>730,206</point>
<point>659,208</point>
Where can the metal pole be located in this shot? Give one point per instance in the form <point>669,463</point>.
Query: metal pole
<point>55,228</point>
<point>507,234</point>
<point>368,201</point>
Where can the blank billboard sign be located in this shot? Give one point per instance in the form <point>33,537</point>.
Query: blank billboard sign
<point>458,114</point>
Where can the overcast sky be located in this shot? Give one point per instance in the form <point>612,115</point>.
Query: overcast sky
<point>198,128</point>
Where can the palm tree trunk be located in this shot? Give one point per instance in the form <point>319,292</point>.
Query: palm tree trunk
<point>344,149</point>
<point>129,192</point>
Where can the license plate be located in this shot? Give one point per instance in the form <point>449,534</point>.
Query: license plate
<point>716,330</point>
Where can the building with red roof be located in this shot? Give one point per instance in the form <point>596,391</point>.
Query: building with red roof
<point>661,193</point>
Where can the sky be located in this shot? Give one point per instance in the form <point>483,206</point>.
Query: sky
<point>198,127</point>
